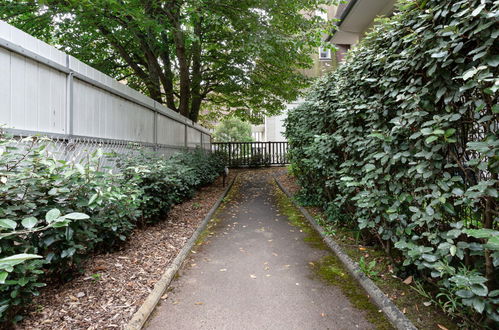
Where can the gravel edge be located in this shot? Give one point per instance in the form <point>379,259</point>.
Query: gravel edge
<point>394,315</point>
<point>144,312</point>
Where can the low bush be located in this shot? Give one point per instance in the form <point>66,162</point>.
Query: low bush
<point>99,208</point>
<point>403,139</point>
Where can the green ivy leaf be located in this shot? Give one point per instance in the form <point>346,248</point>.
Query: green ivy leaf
<point>76,216</point>
<point>479,289</point>
<point>52,215</point>
<point>430,139</point>
<point>16,259</point>
<point>7,223</point>
<point>3,277</point>
<point>29,222</point>
<point>440,54</point>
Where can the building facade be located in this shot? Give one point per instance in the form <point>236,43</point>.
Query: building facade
<point>354,19</point>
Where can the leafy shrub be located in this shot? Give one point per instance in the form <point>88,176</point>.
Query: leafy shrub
<point>165,182</point>
<point>403,139</point>
<point>259,159</point>
<point>36,188</point>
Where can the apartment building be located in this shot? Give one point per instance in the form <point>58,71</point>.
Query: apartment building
<point>353,19</point>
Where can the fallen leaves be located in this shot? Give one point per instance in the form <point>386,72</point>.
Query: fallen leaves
<point>408,280</point>
<point>126,276</point>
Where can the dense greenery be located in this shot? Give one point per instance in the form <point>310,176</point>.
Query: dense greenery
<point>216,55</point>
<point>402,142</point>
<point>232,129</point>
<point>53,213</point>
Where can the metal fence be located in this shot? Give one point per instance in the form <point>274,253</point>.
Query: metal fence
<point>242,154</point>
<point>44,91</point>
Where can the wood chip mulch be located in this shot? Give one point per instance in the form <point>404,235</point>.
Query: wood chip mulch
<point>289,182</point>
<point>114,285</point>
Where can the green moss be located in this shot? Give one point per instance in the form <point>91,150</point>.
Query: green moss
<point>294,216</point>
<point>406,299</point>
<point>330,269</point>
<point>215,220</point>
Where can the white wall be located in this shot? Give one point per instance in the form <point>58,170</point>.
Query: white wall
<point>273,128</point>
<point>45,90</point>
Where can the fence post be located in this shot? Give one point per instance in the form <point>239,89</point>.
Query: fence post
<point>69,100</point>
<point>69,127</point>
<point>155,130</point>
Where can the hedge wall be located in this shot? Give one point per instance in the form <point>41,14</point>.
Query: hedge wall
<point>402,142</point>
<point>54,213</point>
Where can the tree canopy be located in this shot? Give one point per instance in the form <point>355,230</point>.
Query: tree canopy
<point>194,56</point>
<point>231,130</point>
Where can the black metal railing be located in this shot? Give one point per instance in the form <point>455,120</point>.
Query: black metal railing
<point>248,154</point>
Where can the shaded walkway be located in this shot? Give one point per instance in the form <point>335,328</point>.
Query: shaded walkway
<point>254,273</point>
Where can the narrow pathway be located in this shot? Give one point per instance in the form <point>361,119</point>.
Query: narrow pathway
<point>254,272</point>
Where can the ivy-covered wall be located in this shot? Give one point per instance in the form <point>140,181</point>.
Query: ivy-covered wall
<point>402,142</point>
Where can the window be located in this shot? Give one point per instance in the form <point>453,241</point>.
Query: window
<point>324,53</point>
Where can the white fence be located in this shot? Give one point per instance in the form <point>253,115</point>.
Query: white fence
<point>45,91</point>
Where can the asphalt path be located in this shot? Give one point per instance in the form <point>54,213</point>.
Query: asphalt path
<point>253,272</point>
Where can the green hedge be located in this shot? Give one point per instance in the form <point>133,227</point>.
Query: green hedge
<point>402,142</point>
<point>55,213</point>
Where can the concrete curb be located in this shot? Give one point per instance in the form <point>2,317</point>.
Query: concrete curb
<point>394,315</point>
<point>144,312</point>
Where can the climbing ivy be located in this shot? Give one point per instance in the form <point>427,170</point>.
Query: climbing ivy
<point>403,139</point>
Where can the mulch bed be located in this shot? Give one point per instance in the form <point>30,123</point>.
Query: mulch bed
<point>289,182</point>
<point>114,285</point>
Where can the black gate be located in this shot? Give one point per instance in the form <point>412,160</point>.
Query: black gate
<point>242,154</point>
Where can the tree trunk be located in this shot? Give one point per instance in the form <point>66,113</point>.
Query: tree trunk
<point>196,72</point>
<point>167,77</point>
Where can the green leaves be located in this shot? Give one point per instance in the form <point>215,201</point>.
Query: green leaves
<point>52,215</point>
<point>440,54</point>
<point>478,9</point>
<point>48,231</point>
<point>402,137</point>
<point>7,223</point>
<point>29,222</point>
<point>243,47</point>
<point>7,263</point>
<point>76,216</point>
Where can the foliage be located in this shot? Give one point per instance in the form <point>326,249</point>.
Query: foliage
<point>225,54</point>
<point>368,268</point>
<point>232,129</point>
<point>259,159</point>
<point>402,139</point>
<point>165,182</point>
<point>62,211</point>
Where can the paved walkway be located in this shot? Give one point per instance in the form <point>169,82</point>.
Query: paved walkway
<point>254,273</point>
